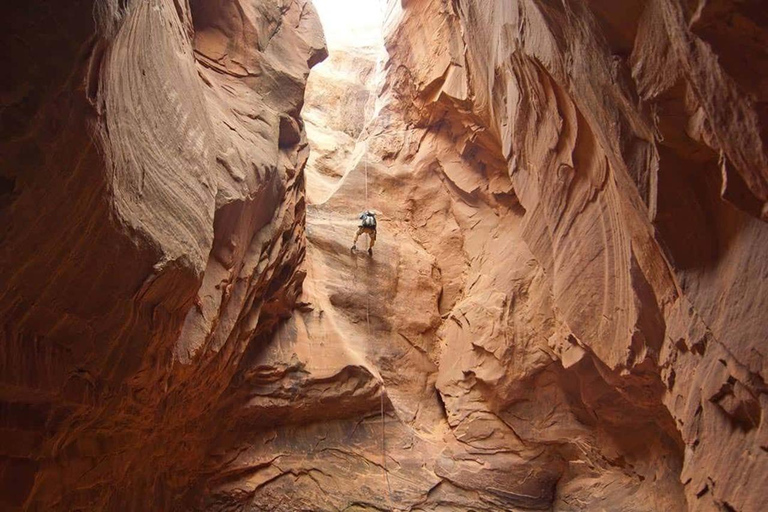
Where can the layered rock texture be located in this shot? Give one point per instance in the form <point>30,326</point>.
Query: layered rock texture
<point>341,92</point>
<point>152,234</point>
<point>565,308</point>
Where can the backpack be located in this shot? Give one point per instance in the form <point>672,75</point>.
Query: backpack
<point>369,221</point>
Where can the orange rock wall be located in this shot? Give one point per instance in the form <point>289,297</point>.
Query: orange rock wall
<point>152,228</point>
<point>633,138</point>
<point>565,306</point>
<point>564,309</point>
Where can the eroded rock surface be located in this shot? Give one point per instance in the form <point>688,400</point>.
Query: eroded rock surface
<point>565,309</point>
<point>152,231</point>
<point>341,93</point>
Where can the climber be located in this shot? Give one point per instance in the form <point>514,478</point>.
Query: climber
<point>367,226</point>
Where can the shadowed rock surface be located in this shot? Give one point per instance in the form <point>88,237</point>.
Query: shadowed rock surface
<point>565,308</point>
<point>152,231</point>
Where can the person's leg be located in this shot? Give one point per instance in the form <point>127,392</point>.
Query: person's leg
<point>357,235</point>
<point>371,238</point>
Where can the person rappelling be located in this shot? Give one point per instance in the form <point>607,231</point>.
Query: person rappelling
<point>367,226</point>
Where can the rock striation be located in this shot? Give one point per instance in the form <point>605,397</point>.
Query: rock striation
<point>341,93</point>
<point>152,231</point>
<point>565,308</point>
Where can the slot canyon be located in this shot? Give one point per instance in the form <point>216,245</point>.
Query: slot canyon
<point>566,307</point>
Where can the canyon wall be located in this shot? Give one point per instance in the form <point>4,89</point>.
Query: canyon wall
<point>564,309</point>
<point>633,140</point>
<point>341,91</point>
<point>152,230</point>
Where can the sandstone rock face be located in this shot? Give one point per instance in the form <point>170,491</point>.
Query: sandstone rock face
<point>152,229</point>
<point>565,308</point>
<point>341,93</point>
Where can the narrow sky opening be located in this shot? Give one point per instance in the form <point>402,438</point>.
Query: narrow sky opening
<point>341,91</point>
<point>351,23</point>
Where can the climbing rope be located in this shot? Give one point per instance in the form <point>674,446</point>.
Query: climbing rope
<point>368,326</point>
<point>365,156</point>
<point>365,153</point>
<point>382,391</point>
<point>381,411</point>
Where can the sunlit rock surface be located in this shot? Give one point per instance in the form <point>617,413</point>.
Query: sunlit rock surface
<point>565,308</point>
<point>341,91</point>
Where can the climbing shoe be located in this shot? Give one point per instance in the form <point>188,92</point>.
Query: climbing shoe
<point>353,248</point>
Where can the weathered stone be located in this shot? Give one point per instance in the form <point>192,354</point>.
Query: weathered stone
<point>565,308</point>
